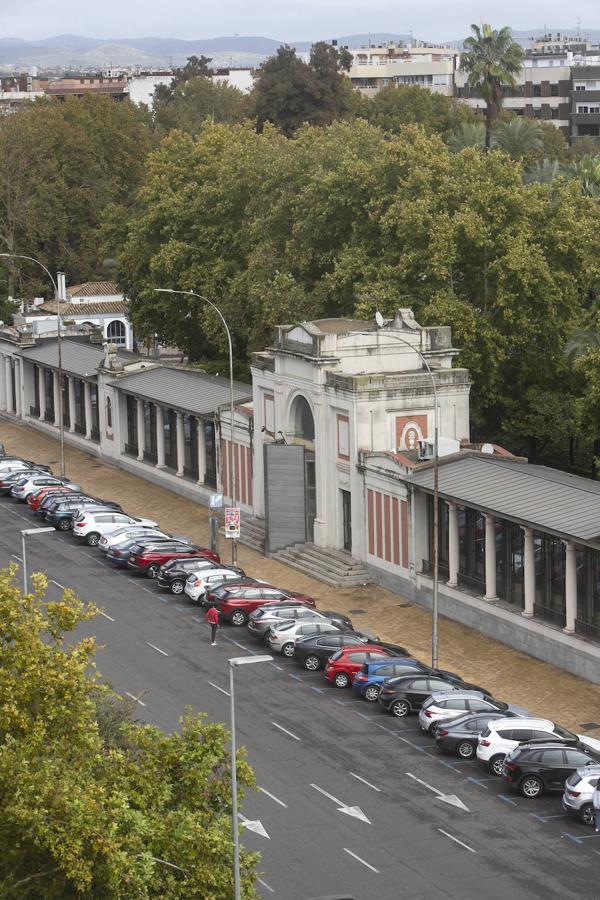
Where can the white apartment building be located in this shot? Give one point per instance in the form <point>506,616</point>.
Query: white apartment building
<point>426,66</point>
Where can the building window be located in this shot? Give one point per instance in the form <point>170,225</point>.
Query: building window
<point>150,454</point>
<point>269,413</point>
<point>443,537</point>
<point>554,92</point>
<point>471,548</point>
<point>116,333</point>
<point>35,409</point>
<point>65,402</point>
<point>554,112</point>
<point>343,437</point>
<point>210,476</point>
<point>48,393</point>
<point>170,431</point>
<point>95,412</point>
<point>108,413</point>
<point>132,446</point>
<point>510,549</point>
<point>588,592</point>
<point>549,578</point>
<point>79,406</point>
<point>190,437</point>
<point>537,90</point>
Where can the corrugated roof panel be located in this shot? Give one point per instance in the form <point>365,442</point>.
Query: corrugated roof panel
<point>189,391</point>
<point>77,358</point>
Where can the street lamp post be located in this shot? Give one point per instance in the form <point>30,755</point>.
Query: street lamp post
<point>25,533</point>
<point>434,605</point>
<point>233,663</point>
<point>232,467</point>
<point>57,297</point>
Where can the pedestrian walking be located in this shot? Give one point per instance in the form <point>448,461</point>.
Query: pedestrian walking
<point>596,802</point>
<point>212,617</point>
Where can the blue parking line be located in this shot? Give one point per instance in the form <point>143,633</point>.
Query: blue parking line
<point>342,702</point>
<point>479,781</point>
<point>363,715</point>
<point>507,799</point>
<point>297,677</point>
<point>579,838</point>
<point>544,819</point>
<point>448,765</point>
<point>318,690</point>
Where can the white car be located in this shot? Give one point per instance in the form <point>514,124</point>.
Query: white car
<point>450,705</point>
<point>91,526</point>
<point>502,736</point>
<point>283,637</point>
<point>205,577</point>
<point>125,533</point>
<point>26,486</point>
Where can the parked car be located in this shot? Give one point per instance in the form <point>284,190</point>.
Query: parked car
<point>146,559</point>
<point>577,796</point>
<point>535,767</point>
<point>25,486</point>
<point>341,668</point>
<point>11,463</point>
<point>91,526</point>
<point>119,553</point>
<point>282,637</point>
<point>272,614</point>
<point>440,706</point>
<point>50,498</point>
<point>460,736</point>
<point>132,532</point>
<point>174,574</point>
<point>199,582</point>
<point>503,735</point>
<point>368,680</point>
<point>405,694</point>
<point>313,652</point>
<point>9,479</point>
<point>235,602</point>
<point>37,498</point>
<point>60,512</point>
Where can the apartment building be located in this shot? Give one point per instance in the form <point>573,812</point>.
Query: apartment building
<point>425,65</point>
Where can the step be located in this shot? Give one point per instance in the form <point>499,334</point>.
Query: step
<point>340,557</point>
<point>325,567</point>
<point>334,561</point>
<point>319,574</point>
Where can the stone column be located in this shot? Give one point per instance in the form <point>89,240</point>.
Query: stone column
<point>87,388</point>
<point>490,559</point>
<point>570,587</point>
<point>528,572</point>
<point>453,544</point>
<point>141,429</point>
<point>201,452</point>
<point>57,398</point>
<point>8,378</point>
<point>160,437</point>
<point>2,384</point>
<point>180,445</point>
<point>72,413</point>
<point>18,389</point>
<point>42,392</point>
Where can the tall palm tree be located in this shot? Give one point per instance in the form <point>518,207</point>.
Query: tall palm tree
<point>470,134</point>
<point>518,137</point>
<point>492,60</point>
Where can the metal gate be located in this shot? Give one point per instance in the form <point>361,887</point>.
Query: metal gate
<point>285,496</point>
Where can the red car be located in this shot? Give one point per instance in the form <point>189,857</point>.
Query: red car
<point>36,497</point>
<point>146,559</point>
<point>341,668</point>
<point>235,602</point>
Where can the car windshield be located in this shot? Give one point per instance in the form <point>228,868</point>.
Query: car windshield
<point>285,626</point>
<point>565,733</point>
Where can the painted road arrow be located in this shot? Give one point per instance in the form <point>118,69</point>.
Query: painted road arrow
<point>256,826</point>
<point>354,811</point>
<point>450,799</point>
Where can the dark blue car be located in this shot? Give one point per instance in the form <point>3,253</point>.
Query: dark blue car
<point>372,674</point>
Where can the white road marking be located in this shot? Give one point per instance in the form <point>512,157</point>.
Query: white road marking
<point>254,825</point>
<point>450,799</point>
<point>133,580</point>
<point>364,862</point>
<point>273,797</point>
<point>106,616</point>
<point>354,811</point>
<point>275,666</point>
<point>196,619</point>
<point>148,591</point>
<point>364,781</point>
<point>58,584</point>
<point>265,885</point>
<point>137,699</point>
<point>14,555</point>
<point>285,731</point>
<point>157,648</point>
<point>223,691</point>
<point>452,838</point>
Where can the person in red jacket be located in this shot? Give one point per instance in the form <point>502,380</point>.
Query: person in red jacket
<point>212,616</point>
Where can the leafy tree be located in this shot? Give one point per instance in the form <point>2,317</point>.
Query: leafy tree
<point>393,107</point>
<point>518,137</point>
<point>470,134</point>
<point>492,59</point>
<point>91,804</point>
<point>195,67</point>
<point>198,102</point>
<point>543,172</point>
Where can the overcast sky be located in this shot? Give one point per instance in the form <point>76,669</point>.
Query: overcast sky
<point>291,20</point>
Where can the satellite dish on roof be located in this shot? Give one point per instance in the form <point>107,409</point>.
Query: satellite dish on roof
<point>379,319</point>
<point>487,448</point>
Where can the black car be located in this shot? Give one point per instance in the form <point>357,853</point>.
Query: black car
<point>538,766</point>
<point>313,652</point>
<point>174,573</point>
<point>405,694</point>
<point>60,513</point>
<point>263,618</point>
<point>460,736</point>
<point>56,497</point>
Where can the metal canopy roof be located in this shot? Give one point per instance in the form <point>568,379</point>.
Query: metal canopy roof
<point>78,359</point>
<point>546,499</point>
<point>188,391</point>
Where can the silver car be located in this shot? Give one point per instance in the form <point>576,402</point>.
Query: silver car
<point>268,617</point>
<point>282,637</point>
<point>579,788</point>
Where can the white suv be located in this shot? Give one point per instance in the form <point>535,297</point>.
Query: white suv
<point>444,706</point>
<point>91,526</point>
<point>502,736</point>
<point>206,577</point>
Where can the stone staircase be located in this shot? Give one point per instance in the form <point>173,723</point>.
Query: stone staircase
<point>334,567</point>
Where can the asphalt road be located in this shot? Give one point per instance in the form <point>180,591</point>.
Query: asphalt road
<point>350,797</point>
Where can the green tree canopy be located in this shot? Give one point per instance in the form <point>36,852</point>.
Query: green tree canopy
<point>393,107</point>
<point>198,102</point>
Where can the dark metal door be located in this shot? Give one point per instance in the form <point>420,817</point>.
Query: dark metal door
<point>310,495</point>
<point>285,496</point>
<point>347,519</point>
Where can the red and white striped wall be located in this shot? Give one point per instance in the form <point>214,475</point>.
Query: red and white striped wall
<point>242,459</point>
<point>387,522</point>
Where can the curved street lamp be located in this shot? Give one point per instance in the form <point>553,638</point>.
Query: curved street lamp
<point>61,425</point>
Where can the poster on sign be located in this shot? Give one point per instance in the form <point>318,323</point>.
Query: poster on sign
<point>232,522</point>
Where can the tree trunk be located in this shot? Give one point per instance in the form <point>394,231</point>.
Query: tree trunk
<point>488,127</point>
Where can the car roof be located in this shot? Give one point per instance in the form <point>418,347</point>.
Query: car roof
<point>583,771</point>
<point>555,745</point>
<point>460,695</point>
<point>524,722</point>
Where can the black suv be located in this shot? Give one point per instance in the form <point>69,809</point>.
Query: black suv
<point>173,574</point>
<point>313,652</point>
<point>538,766</point>
<point>407,693</point>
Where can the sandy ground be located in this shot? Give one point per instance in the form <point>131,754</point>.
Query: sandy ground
<point>545,690</point>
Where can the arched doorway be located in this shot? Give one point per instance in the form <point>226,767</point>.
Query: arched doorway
<point>116,333</point>
<point>301,429</point>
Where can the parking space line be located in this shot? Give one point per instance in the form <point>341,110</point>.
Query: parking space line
<point>364,781</point>
<point>285,731</point>
<point>157,648</point>
<point>544,819</point>
<point>410,743</point>
<point>317,690</point>
<point>14,555</point>
<point>297,677</point>
<point>450,765</point>
<point>58,584</point>
<point>343,702</point>
<point>275,666</point>
<point>360,860</point>
<point>216,686</point>
<point>106,616</point>
<point>507,799</point>
<point>133,697</point>
<point>273,797</point>
<point>265,885</point>
<point>479,782</point>
<point>452,838</point>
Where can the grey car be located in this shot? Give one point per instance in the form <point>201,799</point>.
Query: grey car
<point>269,616</point>
<point>579,788</point>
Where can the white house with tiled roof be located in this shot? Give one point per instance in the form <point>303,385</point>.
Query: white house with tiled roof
<point>97,304</point>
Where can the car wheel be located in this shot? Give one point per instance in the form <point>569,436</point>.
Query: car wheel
<point>531,787</point>
<point>312,663</point>
<point>465,750</point>
<point>288,649</point>
<point>92,539</point>
<point>432,730</point>
<point>238,617</point>
<point>587,814</point>
<point>152,570</point>
<point>177,587</point>
<point>64,525</point>
<point>400,708</point>
<point>341,680</point>
<point>372,693</point>
<point>496,766</point>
